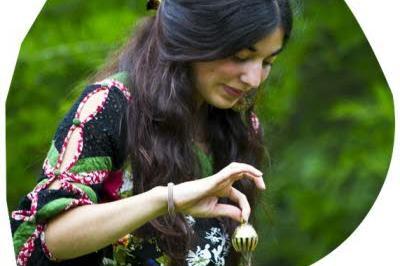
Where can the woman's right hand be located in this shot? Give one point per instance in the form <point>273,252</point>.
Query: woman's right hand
<point>199,198</point>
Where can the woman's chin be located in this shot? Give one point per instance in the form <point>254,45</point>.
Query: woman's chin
<point>223,104</point>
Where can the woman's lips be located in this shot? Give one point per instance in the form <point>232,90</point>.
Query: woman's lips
<point>232,91</point>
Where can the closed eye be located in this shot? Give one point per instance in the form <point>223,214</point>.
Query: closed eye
<point>239,59</point>
<point>266,64</point>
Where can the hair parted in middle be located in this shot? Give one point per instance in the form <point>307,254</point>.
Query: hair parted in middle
<point>160,119</point>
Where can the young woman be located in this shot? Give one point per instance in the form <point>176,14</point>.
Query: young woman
<point>156,164</point>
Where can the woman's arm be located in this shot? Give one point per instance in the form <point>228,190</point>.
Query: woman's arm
<point>88,228</point>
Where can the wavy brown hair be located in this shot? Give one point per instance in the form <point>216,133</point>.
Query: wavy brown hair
<point>162,116</point>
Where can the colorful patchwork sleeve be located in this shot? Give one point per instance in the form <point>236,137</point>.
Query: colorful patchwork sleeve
<point>85,157</point>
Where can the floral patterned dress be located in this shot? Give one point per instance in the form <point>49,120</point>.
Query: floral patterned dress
<point>96,174</point>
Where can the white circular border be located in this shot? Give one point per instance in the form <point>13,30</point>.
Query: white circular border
<point>375,242</point>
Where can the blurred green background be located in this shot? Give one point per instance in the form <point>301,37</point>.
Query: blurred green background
<point>327,112</point>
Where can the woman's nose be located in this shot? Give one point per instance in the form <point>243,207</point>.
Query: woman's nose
<point>252,74</point>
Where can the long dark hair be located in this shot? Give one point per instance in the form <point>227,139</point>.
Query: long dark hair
<point>160,118</point>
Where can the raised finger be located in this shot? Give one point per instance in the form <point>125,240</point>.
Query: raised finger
<point>258,180</point>
<point>235,168</point>
<point>240,198</point>
<point>235,171</point>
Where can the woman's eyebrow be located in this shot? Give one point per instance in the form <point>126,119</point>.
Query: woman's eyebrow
<point>253,49</point>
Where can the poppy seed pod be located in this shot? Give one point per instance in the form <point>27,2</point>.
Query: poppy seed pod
<point>245,238</point>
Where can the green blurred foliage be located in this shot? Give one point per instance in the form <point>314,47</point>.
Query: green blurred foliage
<point>327,112</point>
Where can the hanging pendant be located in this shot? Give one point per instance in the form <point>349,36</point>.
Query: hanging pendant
<point>244,240</point>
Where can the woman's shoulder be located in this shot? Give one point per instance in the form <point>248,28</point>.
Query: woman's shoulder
<point>107,95</point>
<point>105,99</point>
<point>99,113</point>
<point>115,83</point>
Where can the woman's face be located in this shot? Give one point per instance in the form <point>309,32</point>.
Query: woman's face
<point>223,82</point>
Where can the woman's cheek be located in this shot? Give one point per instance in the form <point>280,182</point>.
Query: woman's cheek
<point>230,68</point>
